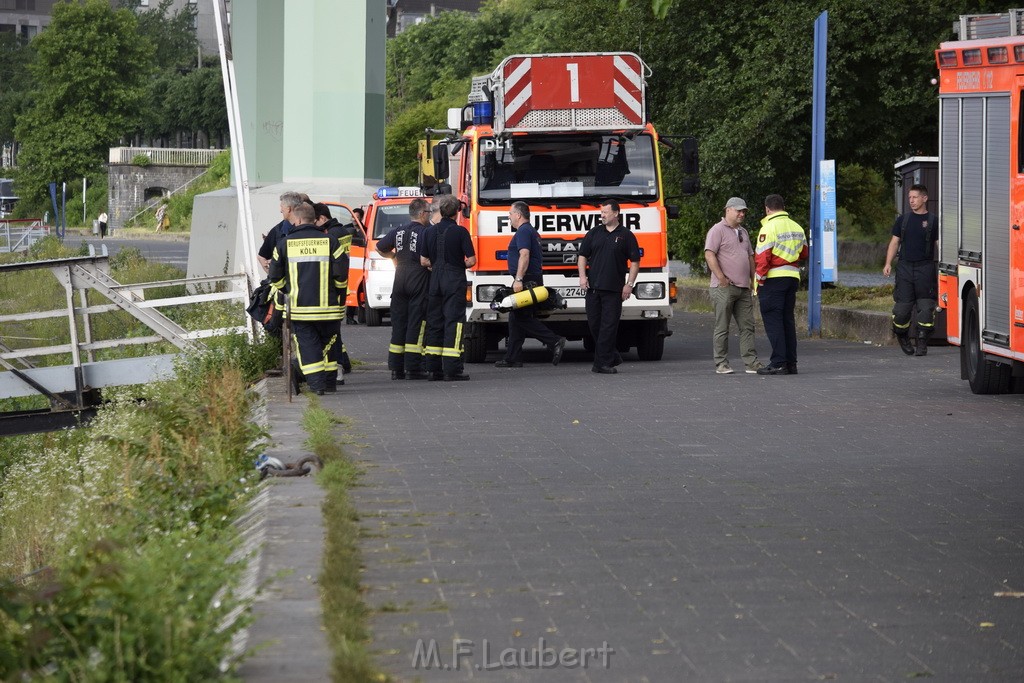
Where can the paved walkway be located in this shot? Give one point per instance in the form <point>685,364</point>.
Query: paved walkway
<point>856,522</point>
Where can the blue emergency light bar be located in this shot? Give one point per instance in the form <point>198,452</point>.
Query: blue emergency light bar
<point>389,192</point>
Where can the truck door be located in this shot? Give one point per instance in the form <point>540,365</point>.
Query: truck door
<point>995,211</point>
<point>1017,219</point>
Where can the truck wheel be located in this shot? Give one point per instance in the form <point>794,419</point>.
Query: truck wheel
<point>651,341</point>
<point>984,376</point>
<point>588,343</point>
<point>374,316</point>
<point>475,343</point>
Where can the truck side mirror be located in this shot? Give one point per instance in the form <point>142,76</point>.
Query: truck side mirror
<point>440,155</point>
<point>691,162</point>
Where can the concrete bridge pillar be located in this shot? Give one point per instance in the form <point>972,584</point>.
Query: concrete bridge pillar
<point>310,76</point>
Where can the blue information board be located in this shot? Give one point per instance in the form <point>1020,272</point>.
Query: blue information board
<point>827,199</point>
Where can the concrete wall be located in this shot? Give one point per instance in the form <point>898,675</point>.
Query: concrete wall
<point>128,184</point>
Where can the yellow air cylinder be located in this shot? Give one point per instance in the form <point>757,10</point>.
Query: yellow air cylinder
<point>527,297</point>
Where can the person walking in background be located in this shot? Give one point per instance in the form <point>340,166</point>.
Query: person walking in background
<point>524,265</point>
<point>608,282</point>
<point>915,237</point>
<point>731,260</point>
<point>447,250</point>
<point>161,214</point>
<point>781,245</point>
<point>409,294</point>
<point>103,224</point>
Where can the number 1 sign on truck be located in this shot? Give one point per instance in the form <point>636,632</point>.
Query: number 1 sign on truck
<point>561,132</point>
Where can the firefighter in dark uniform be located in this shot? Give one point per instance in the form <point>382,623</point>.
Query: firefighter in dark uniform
<point>607,281</point>
<point>329,224</point>
<point>447,250</point>
<point>409,294</point>
<point>914,236</point>
<point>311,268</point>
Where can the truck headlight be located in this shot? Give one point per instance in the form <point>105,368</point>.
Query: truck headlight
<point>486,292</point>
<point>650,290</point>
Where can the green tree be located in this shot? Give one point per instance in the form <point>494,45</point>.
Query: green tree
<point>737,75</point>
<point>173,33</point>
<point>91,68</point>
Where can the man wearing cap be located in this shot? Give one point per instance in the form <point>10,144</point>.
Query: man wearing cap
<point>730,257</point>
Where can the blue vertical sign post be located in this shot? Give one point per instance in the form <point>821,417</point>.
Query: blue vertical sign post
<point>817,156</point>
<point>827,213</point>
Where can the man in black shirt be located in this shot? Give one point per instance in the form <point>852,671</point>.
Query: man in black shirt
<point>603,274</point>
<point>409,294</point>
<point>447,250</point>
<point>914,236</point>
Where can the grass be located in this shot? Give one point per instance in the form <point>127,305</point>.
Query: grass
<point>344,612</point>
<point>877,298</point>
<point>115,538</point>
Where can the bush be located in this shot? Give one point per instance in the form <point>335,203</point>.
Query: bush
<point>131,519</point>
<point>141,160</point>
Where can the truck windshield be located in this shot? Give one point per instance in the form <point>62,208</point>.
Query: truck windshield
<point>585,165</point>
<point>388,216</point>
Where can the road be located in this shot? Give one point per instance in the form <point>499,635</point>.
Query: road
<point>171,250</point>
<point>858,521</point>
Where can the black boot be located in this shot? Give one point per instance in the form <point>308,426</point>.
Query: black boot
<point>905,343</point>
<point>922,344</point>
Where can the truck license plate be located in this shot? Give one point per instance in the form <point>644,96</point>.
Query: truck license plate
<point>571,292</point>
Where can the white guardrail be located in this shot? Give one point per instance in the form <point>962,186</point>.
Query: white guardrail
<point>164,156</point>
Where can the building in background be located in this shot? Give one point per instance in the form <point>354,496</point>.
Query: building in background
<point>405,13</point>
<point>25,18</point>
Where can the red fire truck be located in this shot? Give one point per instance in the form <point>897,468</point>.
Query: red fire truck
<point>561,132</point>
<point>981,204</point>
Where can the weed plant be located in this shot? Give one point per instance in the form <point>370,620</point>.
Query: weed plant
<point>344,612</point>
<point>115,538</point>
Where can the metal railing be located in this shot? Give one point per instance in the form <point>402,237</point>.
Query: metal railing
<point>18,234</point>
<point>164,156</point>
<point>66,385</point>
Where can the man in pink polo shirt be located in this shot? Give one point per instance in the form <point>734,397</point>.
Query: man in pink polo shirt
<point>731,260</point>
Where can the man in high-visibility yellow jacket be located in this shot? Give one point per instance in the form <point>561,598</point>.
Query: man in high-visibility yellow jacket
<point>311,268</point>
<point>781,245</point>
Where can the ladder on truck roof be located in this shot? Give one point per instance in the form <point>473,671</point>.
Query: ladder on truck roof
<point>978,26</point>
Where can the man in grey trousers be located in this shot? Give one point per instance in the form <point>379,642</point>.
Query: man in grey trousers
<point>731,260</point>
